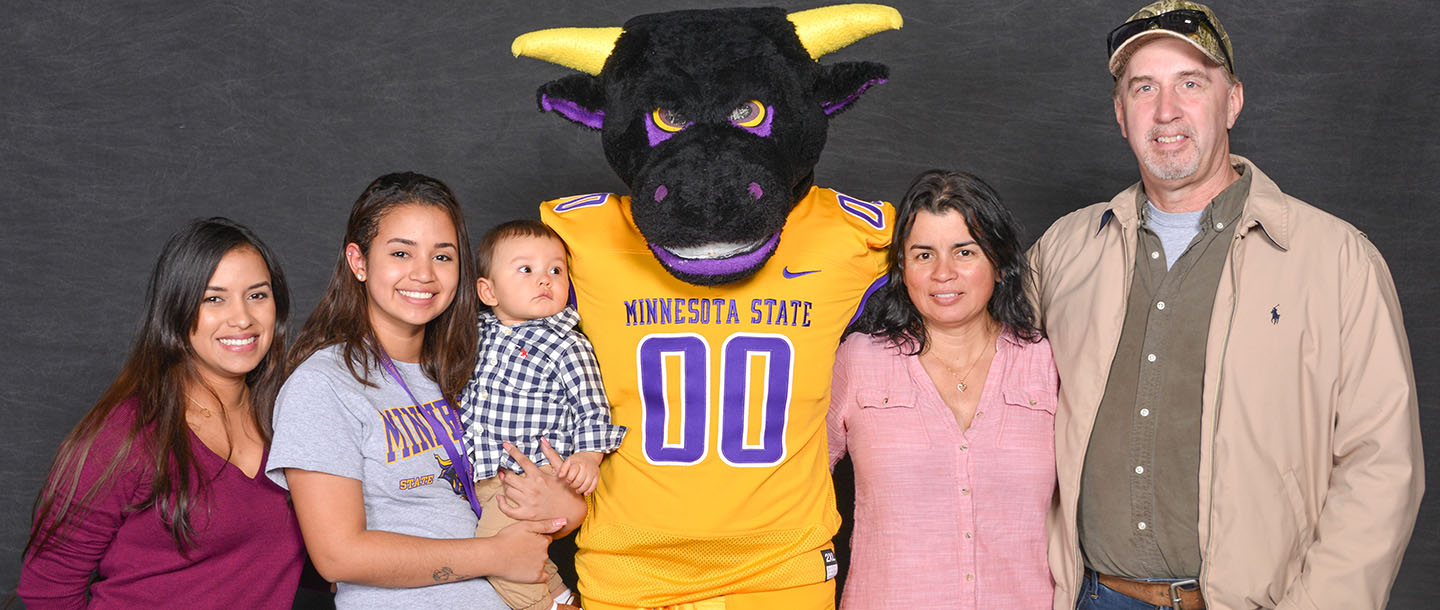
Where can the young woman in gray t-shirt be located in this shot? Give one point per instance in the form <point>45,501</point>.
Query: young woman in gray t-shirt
<point>365,434</point>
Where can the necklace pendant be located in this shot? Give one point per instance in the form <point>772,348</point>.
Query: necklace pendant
<point>961,386</point>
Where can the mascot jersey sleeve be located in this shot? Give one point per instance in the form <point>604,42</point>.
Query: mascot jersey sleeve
<point>723,484</point>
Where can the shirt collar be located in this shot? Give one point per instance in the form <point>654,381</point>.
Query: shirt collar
<point>1222,211</point>
<point>1226,207</point>
<point>567,319</point>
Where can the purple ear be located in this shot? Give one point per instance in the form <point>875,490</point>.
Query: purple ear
<point>841,84</point>
<point>578,97</point>
<point>594,119</point>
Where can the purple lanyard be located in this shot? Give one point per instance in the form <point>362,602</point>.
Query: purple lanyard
<point>457,455</point>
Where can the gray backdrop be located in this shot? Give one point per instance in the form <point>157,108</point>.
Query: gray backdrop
<point>121,120</point>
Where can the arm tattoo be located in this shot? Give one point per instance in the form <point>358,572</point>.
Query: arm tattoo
<point>445,574</point>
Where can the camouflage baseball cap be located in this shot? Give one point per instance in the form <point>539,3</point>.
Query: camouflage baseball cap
<point>1192,22</point>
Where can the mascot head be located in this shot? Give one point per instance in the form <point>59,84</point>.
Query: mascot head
<point>715,119</point>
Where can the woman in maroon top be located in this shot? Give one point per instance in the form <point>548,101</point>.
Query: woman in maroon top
<point>158,496</point>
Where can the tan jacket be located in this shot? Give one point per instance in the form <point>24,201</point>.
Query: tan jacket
<point>1311,468</point>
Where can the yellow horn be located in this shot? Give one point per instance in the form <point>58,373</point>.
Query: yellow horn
<point>830,28</point>
<point>584,49</point>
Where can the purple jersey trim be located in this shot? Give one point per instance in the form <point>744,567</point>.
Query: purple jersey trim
<point>582,201</point>
<point>717,266</point>
<point>880,281</point>
<point>870,212</point>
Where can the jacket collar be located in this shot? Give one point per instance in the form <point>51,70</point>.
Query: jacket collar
<point>1267,208</point>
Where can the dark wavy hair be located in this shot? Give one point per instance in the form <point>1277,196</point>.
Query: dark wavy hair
<point>512,229</point>
<point>890,314</point>
<point>447,353</point>
<point>156,373</point>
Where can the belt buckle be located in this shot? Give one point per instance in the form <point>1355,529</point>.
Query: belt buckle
<point>1178,586</point>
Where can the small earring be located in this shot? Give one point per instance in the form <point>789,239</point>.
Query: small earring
<point>360,276</point>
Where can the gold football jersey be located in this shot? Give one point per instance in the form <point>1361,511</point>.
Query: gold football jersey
<point>722,484</point>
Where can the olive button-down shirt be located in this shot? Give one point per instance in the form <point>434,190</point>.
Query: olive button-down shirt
<point>1139,491</point>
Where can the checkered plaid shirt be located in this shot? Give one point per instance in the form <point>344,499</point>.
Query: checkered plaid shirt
<point>535,379</point>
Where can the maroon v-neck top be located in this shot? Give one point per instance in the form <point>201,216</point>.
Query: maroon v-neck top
<point>247,548</point>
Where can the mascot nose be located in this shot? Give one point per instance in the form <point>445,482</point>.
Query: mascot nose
<point>661,193</point>
<point>756,191</point>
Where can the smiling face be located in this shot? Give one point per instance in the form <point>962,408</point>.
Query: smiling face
<point>236,319</point>
<point>410,272</point>
<point>528,279</point>
<point>947,276</point>
<point>1176,108</point>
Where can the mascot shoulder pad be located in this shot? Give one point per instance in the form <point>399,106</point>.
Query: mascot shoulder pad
<point>868,217</point>
<point>572,203</point>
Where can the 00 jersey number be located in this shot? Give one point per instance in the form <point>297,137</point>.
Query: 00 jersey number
<point>660,357</point>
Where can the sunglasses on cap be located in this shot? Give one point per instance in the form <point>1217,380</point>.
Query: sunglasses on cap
<point>1181,21</point>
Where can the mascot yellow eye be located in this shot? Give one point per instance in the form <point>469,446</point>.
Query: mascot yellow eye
<point>749,114</point>
<point>669,120</point>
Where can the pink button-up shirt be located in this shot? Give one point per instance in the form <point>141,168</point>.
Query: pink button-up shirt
<point>944,517</point>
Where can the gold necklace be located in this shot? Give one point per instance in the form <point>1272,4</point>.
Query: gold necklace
<point>204,410</point>
<point>961,385</point>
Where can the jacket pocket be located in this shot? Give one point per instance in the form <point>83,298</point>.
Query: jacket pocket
<point>1303,526</point>
<point>892,418</point>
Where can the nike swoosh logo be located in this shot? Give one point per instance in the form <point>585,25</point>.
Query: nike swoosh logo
<point>794,274</point>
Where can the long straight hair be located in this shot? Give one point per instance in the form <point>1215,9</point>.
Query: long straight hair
<point>447,353</point>
<point>890,314</point>
<point>156,374</point>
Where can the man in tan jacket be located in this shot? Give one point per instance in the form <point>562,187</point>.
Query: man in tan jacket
<point>1238,426</point>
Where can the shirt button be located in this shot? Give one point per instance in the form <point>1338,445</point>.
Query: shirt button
<point>484,395</point>
<point>964,447</point>
<point>1151,357</point>
<point>1139,470</point>
<point>1144,412</point>
<point>1140,525</point>
<point>967,535</point>
<point>1154,255</point>
<point>1160,305</point>
<point>969,577</point>
<point>964,491</point>
<point>1219,226</point>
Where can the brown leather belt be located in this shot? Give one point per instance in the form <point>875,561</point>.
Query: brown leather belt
<point>1183,595</point>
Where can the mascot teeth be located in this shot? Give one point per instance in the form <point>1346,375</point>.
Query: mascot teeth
<point>714,250</point>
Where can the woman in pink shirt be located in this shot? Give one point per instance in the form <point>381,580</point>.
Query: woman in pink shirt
<point>944,395</point>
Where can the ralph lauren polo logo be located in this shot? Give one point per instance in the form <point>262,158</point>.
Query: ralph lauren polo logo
<point>1275,314</point>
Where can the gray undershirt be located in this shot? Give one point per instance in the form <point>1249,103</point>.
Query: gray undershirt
<point>1175,231</point>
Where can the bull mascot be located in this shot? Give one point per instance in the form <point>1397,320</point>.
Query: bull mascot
<point>715,294</point>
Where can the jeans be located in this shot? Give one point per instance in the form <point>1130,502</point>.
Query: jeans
<point>1095,596</point>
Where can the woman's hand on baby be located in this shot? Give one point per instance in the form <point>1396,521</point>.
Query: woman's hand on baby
<point>582,471</point>
<point>525,546</point>
<point>538,495</point>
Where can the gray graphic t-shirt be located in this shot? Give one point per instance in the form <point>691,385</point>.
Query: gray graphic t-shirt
<point>325,421</point>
